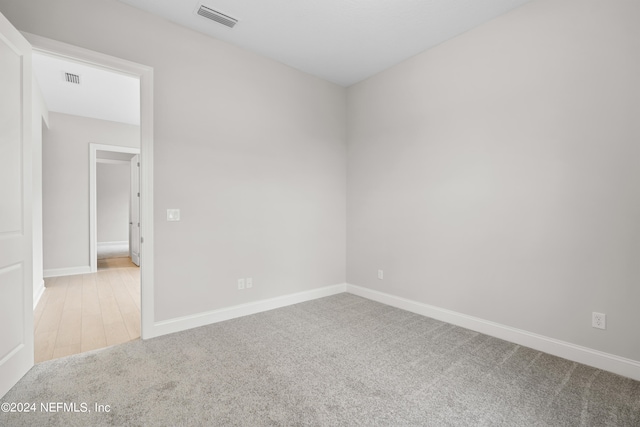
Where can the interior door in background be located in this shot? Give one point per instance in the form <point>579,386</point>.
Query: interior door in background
<point>134,206</point>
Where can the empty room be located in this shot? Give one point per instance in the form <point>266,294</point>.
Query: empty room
<point>351,213</point>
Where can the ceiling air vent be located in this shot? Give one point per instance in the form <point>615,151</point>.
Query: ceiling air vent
<point>214,15</point>
<point>72,78</point>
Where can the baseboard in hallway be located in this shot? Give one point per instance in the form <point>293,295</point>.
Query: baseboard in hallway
<point>112,249</point>
<point>116,262</point>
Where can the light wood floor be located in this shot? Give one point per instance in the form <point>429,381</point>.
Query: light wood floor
<point>89,311</point>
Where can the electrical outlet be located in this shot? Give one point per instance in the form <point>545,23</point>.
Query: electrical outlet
<point>240,284</point>
<point>249,282</point>
<point>599,320</point>
<point>380,274</point>
<point>173,214</point>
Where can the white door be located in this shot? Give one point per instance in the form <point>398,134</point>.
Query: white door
<point>134,223</point>
<point>16,286</point>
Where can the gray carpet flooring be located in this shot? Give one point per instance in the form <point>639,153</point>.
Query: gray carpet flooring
<point>337,361</point>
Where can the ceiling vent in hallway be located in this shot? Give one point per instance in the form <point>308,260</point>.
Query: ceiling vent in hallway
<point>72,78</point>
<point>214,15</point>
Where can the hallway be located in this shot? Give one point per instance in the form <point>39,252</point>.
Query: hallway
<point>89,311</point>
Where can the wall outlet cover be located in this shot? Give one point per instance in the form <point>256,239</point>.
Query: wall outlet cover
<point>599,320</point>
<point>173,214</point>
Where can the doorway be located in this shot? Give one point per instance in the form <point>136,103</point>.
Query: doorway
<point>114,194</point>
<point>122,280</point>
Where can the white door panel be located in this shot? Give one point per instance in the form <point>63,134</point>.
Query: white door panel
<point>16,289</point>
<point>10,140</point>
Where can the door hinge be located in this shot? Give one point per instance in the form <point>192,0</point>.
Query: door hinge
<point>141,239</point>
<point>138,194</point>
<point>138,164</point>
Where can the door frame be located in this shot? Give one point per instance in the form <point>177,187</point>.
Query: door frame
<point>145,74</point>
<point>134,206</point>
<point>93,196</point>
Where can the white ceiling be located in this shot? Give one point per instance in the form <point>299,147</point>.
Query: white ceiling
<point>343,41</point>
<point>101,94</point>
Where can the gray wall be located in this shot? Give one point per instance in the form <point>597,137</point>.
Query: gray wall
<point>113,190</point>
<point>65,188</point>
<point>250,150</point>
<point>498,175</point>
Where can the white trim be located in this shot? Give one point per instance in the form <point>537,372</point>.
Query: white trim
<point>39,100</point>
<point>145,74</point>
<point>47,46</point>
<point>113,161</point>
<point>597,359</point>
<point>41,116</point>
<point>201,319</point>
<point>71,271</point>
<point>38,294</point>
<point>93,211</point>
<point>109,244</point>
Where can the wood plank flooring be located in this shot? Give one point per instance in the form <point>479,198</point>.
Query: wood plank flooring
<point>89,311</point>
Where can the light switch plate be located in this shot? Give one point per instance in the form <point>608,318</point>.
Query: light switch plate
<point>173,214</point>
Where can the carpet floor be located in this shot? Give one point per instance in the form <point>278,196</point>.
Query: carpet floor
<point>337,361</point>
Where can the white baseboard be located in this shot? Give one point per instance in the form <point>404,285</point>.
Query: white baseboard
<point>37,294</point>
<point>201,319</point>
<point>71,271</point>
<point>110,244</point>
<point>597,359</point>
